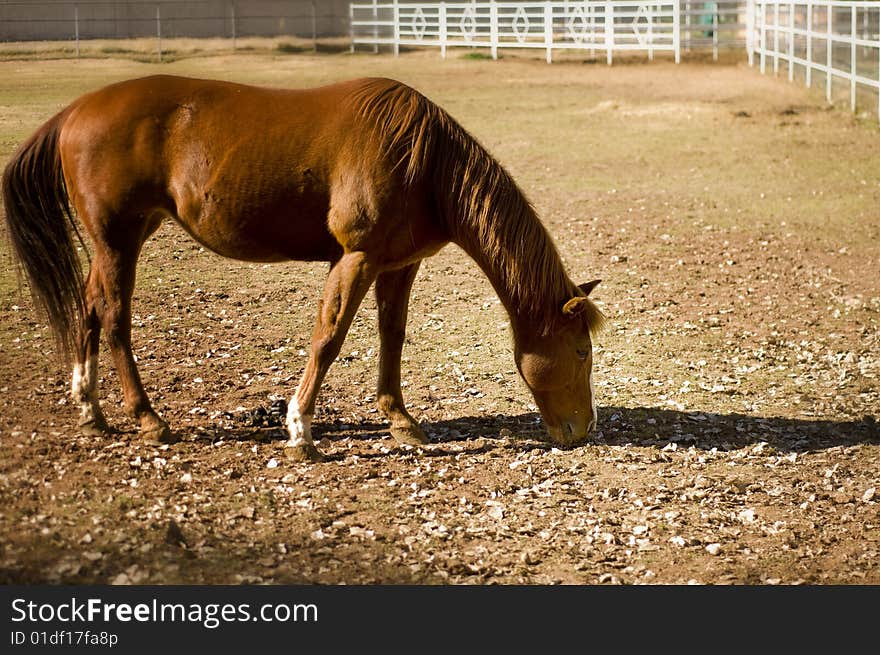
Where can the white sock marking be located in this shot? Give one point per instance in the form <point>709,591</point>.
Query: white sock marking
<point>298,425</point>
<point>83,387</point>
<point>76,384</point>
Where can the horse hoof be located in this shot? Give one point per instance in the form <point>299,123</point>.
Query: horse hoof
<point>96,427</point>
<point>305,452</point>
<point>159,434</point>
<point>411,435</point>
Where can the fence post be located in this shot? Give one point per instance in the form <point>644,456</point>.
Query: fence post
<point>791,41</point>
<point>650,10</point>
<point>375,27</point>
<point>76,28</point>
<point>715,33</point>
<point>750,31</point>
<point>234,35</point>
<point>763,34</point>
<point>396,29</point>
<point>159,31</point>
<point>852,58</point>
<point>314,27</point>
<point>592,15</point>
<point>609,31</point>
<point>443,35</point>
<point>493,29</point>
<point>548,31</point>
<point>687,22</point>
<point>776,38</point>
<point>830,21</point>
<point>676,30</point>
<point>809,81</point>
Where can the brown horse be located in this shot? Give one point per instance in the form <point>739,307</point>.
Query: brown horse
<point>368,175</point>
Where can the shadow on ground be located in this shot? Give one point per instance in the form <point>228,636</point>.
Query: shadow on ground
<point>651,427</point>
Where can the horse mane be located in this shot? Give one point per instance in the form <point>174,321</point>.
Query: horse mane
<point>484,210</point>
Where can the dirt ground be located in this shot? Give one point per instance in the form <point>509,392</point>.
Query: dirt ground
<point>734,221</point>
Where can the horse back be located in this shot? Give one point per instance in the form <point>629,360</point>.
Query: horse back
<point>250,172</point>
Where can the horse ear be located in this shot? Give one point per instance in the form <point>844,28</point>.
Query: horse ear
<point>586,287</point>
<point>575,306</point>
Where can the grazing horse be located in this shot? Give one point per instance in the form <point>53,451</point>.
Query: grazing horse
<point>367,174</point>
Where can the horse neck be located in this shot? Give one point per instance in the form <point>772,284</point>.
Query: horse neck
<point>510,245</point>
<point>489,217</point>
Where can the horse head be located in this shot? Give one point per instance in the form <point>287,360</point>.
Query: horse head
<point>557,367</point>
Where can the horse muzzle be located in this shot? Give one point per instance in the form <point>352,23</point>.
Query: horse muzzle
<point>571,432</point>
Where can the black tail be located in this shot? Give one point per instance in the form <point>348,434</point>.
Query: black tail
<point>40,225</point>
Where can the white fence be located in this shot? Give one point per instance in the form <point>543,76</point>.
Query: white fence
<point>836,38</point>
<point>713,25</point>
<point>599,25</point>
<point>594,25</point>
<point>840,40</point>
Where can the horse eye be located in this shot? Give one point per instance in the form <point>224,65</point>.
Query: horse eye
<point>582,354</point>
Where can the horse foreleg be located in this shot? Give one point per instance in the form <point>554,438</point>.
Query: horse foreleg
<point>346,285</point>
<point>392,298</point>
<point>117,269</point>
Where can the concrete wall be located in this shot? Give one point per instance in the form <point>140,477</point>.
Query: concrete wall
<point>28,20</point>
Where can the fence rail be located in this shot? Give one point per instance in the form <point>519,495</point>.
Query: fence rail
<point>837,38</point>
<point>594,25</point>
<point>713,24</point>
<point>599,25</point>
<point>840,40</point>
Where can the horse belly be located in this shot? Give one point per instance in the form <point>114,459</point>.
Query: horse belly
<point>292,229</point>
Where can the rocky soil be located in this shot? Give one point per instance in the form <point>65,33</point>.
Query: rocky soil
<point>733,219</point>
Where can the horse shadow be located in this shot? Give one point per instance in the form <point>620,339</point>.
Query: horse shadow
<point>648,426</point>
<point>619,426</point>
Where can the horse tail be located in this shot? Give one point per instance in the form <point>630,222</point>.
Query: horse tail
<point>40,225</point>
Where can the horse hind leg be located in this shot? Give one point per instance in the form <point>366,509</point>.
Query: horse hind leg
<point>392,298</point>
<point>85,371</point>
<point>114,265</point>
